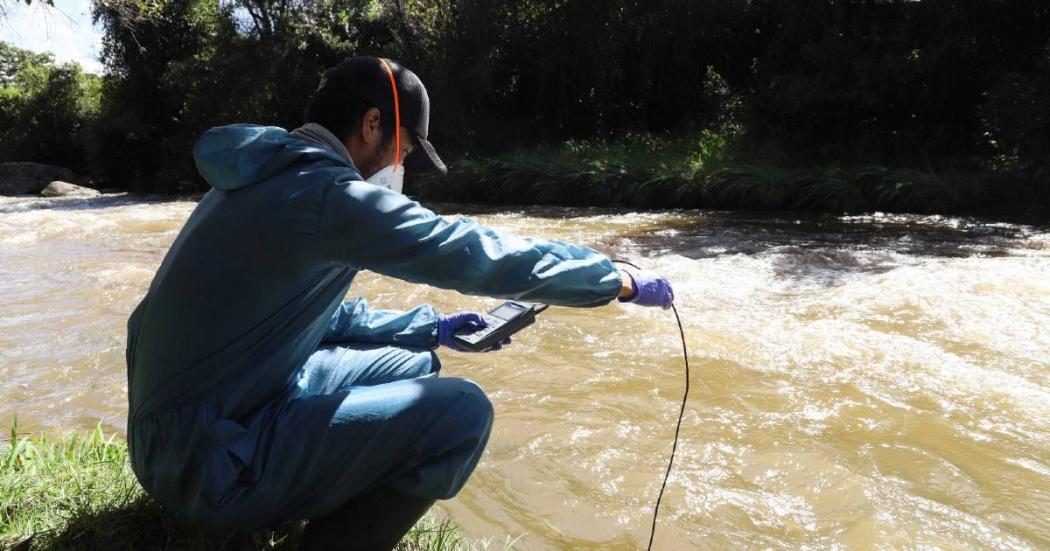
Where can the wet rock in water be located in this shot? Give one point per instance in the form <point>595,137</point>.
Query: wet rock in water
<point>31,178</point>
<point>66,189</point>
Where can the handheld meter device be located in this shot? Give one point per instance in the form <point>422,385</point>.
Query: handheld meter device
<point>504,321</point>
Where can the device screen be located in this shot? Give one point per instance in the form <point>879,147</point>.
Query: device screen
<point>507,311</point>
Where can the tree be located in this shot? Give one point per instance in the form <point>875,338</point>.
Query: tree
<point>895,82</point>
<point>45,109</point>
<point>15,60</point>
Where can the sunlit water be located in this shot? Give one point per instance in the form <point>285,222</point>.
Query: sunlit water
<point>858,382</point>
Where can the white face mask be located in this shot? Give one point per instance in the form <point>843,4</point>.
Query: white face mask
<point>390,178</point>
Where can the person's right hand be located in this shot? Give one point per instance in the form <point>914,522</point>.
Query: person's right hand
<point>650,289</point>
<point>449,325</point>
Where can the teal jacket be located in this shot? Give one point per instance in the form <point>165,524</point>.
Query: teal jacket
<point>255,281</point>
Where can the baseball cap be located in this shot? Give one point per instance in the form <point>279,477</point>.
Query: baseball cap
<point>367,78</point>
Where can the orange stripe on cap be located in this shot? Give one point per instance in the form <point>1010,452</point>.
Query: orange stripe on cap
<point>397,114</point>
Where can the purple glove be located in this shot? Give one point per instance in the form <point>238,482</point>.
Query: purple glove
<point>650,289</point>
<point>470,321</point>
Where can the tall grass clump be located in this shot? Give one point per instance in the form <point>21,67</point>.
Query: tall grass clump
<point>641,170</point>
<point>647,171</point>
<point>78,492</point>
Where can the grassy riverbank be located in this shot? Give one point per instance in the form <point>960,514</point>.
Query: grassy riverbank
<point>78,492</point>
<point>651,172</point>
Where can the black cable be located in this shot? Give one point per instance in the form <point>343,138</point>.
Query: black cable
<point>681,414</point>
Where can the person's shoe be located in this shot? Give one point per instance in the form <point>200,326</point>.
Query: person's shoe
<point>373,521</point>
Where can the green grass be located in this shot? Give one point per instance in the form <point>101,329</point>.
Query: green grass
<point>680,172</point>
<point>78,492</point>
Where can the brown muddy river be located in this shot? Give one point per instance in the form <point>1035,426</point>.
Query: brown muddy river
<point>858,382</point>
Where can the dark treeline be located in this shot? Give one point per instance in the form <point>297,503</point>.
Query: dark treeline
<point>960,84</point>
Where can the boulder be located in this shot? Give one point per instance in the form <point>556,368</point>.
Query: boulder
<point>31,178</point>
<point>66,189</point>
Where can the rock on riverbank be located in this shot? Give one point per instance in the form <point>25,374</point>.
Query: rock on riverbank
<point>31,178</point>
<point>66,189</point>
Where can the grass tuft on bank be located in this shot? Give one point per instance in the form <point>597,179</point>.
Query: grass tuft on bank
<point>645,171</point>
<point>78,492</point>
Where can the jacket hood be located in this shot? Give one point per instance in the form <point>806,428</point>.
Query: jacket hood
<point>239,155</point>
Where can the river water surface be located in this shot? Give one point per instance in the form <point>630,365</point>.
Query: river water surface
<point>857,382</point>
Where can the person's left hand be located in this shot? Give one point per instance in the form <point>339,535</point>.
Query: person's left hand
<point>650,289</point>
<point>449,325</point>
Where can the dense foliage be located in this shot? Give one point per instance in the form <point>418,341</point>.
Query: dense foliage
<point>932,84</point>
<point>46,109</point>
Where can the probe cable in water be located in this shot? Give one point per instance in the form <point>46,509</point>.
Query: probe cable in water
<point>681,414</point>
